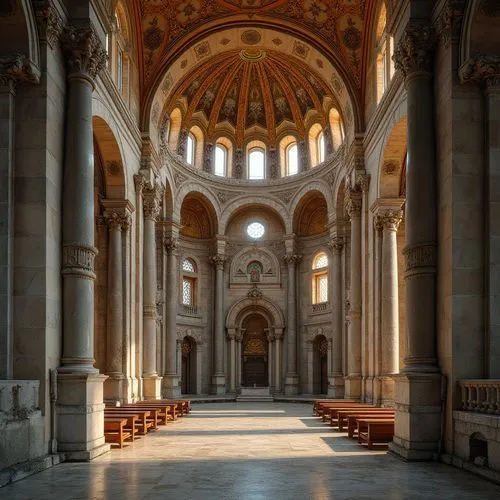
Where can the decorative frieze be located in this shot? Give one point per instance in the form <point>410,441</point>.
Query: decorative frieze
<point>79,260</point>
<point>420,258</point>
<point>84,52</point>
<point>414,53</point>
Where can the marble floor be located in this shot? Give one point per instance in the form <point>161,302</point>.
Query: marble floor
<point>241,451</point>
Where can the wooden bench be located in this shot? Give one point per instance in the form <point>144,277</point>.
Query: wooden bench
<point>144,420</point>
<point>330,414</point>
<point>343,414</point>
<point>183,406</point>
<point>169,409</point>
<point>114,431</point>
<point>317,402</point>
<point>322,406</point>
<point>352,421</point>
<point>377,431</point>
<point>160,409</point>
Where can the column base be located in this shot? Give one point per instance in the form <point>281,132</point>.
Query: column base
<point>218,384</point>
<point>336,386</point>
<point>417,401</point>
<point>291,384</point>
<point>80,416</point>
<point>384,391</point>
<point>114,389</point>
<point>170,387</point>
<point>151,386</point>
<point>353,387</point>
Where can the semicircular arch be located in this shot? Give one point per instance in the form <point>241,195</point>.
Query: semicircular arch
<point>192,187</point>
<point>319,186</point>
<point>246,305</point>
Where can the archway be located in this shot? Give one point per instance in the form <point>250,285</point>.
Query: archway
<point>188,370</point>
<point>320,365</point>
<point>255,352</point>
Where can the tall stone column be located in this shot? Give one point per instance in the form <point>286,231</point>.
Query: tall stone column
<point>389,221</point>
<point>270,360</point>
<point>336,376</point>
<point>292,376</point>
<point>417,392</point>
<point>353,379</point>
<point>151,380</point>
<point>278,337</point>
<point>178,361</point>
<point>231,335</point>
<point>239,347</point>
<point>113,386</point>
<point>80,387</point>
<point>219,378</point>
<point>170,384</point>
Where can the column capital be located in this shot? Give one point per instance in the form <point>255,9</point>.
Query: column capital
<point>336,244</point>
<point>231,333</point>
<point>79,260</point>
<point>481,69</point>
<point>17,68</point>
<point>171,244</point>
<point>278,333</point>
<point>388,219</point>
<point>85,55</point>
<point>292,258</point>
<point>49,21</point>
<point>152,201</point>
<point>413,54</point>
<point>218,261</point>
<point>139,183</point>
<point>117,220</point>
<point>420,259</point>
<point>353,202</point>
<point>270,335</point>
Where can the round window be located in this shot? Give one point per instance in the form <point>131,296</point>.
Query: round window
<point>255,230</point>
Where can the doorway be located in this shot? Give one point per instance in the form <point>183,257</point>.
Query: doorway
<point>255,358</point>
<point>188,373</point>
<point>320,365</point>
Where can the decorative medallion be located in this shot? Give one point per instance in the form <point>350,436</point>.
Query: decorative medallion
<point>300,49</point>
<point>253,55</point>
<point>202,50</point>
<point>251,37</point>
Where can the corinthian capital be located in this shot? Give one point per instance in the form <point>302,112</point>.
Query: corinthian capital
<point>336,244</point>
<point>171,244</point>
<point>353,202</point>
<point>218,261</point>
<point>389,219</point>
<point>292,259</point>
<point>413,54</point>
<point>16,68</point>
<point>481,68</point>
<point>49,21</point>
<point>152,202</point>
<point>84,52</point>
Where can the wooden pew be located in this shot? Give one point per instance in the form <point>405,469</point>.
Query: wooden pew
<point>330,414</point>
<point>144,420</point>
<point>322,405</point>
<point>352,422</point>
<point>377,431</point>
<point>114,431</point>
<point>168,409</point>
<point>343,414</point>
<point>317,402</point>
<point>160,409</point>
<point>183,405</point>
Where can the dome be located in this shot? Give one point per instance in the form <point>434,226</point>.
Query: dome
<point>251,94</point>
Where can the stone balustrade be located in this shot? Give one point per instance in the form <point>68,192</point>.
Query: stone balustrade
<point>189,310</point>
<point>321,307</point>
<point>481,396</point>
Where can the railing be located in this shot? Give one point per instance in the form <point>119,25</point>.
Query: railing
<point>321,307</point>
<point>481,396</point>
<point>189,310</point>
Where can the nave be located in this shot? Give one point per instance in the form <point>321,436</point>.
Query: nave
<point>250,451</point>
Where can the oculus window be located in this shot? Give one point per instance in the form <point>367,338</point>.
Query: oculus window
<point>255,230</point>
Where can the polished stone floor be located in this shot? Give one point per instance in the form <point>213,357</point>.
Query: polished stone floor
<point>259,451</point>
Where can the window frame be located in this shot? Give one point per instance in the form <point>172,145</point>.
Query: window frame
<point>318,275</point>
<point>255,149</point>
<point>224,149</point>
<point>192,278</point>
<point>295,145</point>
<point>191,137</point>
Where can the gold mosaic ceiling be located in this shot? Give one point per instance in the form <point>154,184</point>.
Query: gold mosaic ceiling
<point>338,24</point>
<point>249,88</point>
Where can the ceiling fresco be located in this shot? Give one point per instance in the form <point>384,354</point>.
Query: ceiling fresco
<point>252,87</point>
<point>339,23</point>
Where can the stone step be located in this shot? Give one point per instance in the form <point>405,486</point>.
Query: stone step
<point>254,399</point>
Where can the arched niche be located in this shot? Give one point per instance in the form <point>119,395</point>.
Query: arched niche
<point>251,305</point>
<point>310,217</point>
<point>190,188</point>
<point>198,218</point>
<point>241,271</point>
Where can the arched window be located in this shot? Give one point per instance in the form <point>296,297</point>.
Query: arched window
<point>320,278</point>
<point>317,144</point>
<point>190,148</point>
<point>256,160</point>
<point>220,167</point>
<point>289,156</point>
<point>174,128</point>
<point>120,60</point>
<point>189,285</point>
<point>337,128</point>
<point>384,47</point>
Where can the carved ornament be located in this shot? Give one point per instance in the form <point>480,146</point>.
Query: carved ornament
<point>171,244</point>
<point>218,261</point>
<point>419,258</point>
<point>254,293</point>
<point>292,259</point>
<point>84,52</point>
<point>336,244</point>
<point>149,311</point>
<point>139,183</point>
<point>389,219</point>
<point>118,221</point>
<point>49,21</point>
<point>17,68</point>
<point>152,202</point>
<point>353,202</point>
<point>79,260</point>
<point>481,68</point>
<point>413,54</point>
